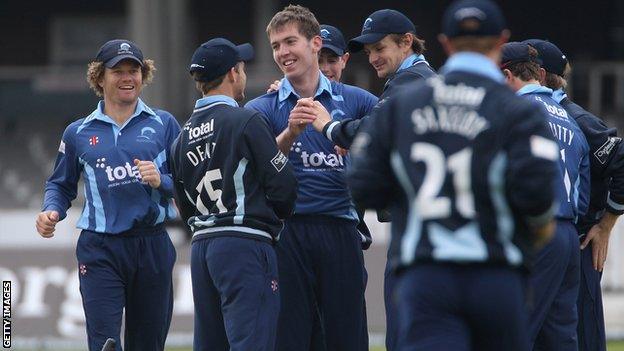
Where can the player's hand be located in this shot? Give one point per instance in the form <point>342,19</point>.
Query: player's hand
<point>543,234</point>
<point>274,86</point>
<point>300,116</point>
<point>149,173</point>
<point>340,151</point>
<point>598,235</point>
<point>46,223</point>
<point>322,116</point>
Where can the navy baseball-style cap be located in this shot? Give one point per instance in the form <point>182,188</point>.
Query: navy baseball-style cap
<point>515,52</point>
<point>472,18</point>
<point>215,57</point>
<point>378,25</point>
<point>333,39</point>
<point>113,51</point>
<point>553,59</point>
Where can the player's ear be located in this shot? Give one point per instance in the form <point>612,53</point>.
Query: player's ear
<point>345,58</point>
<point>317,43</point>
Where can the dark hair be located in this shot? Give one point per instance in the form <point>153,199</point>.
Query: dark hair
<point>205,87</point>
<point>418,45</point>
<point>305,20</point>
<point>526,70</point>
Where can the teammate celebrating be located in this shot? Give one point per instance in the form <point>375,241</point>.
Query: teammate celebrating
<point>555,278</point>
<point>395,52</point>
<point>233,187</point>
<point>606,200</point>
<point>125,256</point>
<point>319,254</point>
<point>460,236</point>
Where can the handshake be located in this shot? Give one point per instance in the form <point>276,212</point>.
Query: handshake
<point>309,111</point>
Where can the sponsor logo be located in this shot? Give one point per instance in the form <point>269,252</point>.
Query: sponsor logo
<point>274,285</point>
<point>119,175</point>
<point>93,140</point>
<point>318,161</point>
<point>200,131</point>
<point>62,147</point>
<point>279,161</point>
<point>82,269</point>
<point>602,154</point>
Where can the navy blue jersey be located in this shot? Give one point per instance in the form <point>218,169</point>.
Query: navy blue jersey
<point>320,171</point>
<point>413,68</point>
<point>606,154</point>
<point>229,175</point>
<point>464,164</point>
<point>103,153</point>
<point>573,187</point>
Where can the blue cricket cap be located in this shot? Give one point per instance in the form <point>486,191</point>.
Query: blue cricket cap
<point>215,57</point>
<point>553,59</point>
<point>333,39</point>
<point>472,18</point>
<point>515,52</point>
<point>378,25</point>
<point>114,51</point>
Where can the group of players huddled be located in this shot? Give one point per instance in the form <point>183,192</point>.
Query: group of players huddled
<point>501,191</point>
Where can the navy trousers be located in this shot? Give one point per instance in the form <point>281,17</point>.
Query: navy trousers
<point>321,273</point>
<point>131,270</point>
<point>591,324</point>
<point>236,294</point>
<point>392,322</point>
<point>460,308</point>
<point>554,284</point>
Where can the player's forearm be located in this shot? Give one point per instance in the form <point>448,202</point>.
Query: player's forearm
<point>608,221</point>
<point>285,141</point>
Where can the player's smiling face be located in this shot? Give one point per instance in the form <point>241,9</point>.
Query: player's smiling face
<point>294,54</point>
<point>123,83</point>
<point>331,64</point>
<point>386,55</point>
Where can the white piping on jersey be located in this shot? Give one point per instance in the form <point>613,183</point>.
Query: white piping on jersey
<point>412,233</point>
<point>504,219</point>
<point>234,229</point>
<point>209,106</point>
<point>330,128</point>
<point>239,186</point>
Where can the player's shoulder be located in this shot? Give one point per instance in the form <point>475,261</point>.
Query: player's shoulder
<point>576,111</point>
<point>263,101</point>
<point>346,90</point>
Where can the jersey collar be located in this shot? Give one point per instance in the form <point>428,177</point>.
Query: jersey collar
<point>558,95</point>
<point>534,89</point>
<point>212,99</point>
<point>286,89</point>
<point>99,114</point>
<point>410,61</point>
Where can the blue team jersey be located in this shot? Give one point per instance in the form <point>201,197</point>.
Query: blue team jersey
<point>573,190</point>
<point>103,153</point>
<point>319,170</point>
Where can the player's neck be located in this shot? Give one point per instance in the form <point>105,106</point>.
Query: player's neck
<point>306,84</point>
<point>119,112</point>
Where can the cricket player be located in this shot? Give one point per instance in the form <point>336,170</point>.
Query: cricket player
<point>606,200</point>
<point>468,169</point>
<point>125,256</point>
<point>556,276</point>
<point>233,187</point>
<point>319,254</point>
<point>389,40</point>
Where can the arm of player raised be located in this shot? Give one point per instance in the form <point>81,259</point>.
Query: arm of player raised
<point>370,177</point>
<point>272,166</point>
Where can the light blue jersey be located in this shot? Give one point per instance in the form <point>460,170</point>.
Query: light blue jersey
<point>103,153</point>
